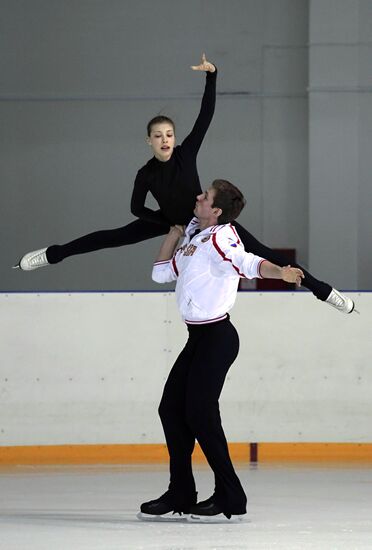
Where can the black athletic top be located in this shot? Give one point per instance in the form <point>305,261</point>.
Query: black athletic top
<point>175,183</point>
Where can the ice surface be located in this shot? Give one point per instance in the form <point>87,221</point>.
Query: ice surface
<point>289,507</point>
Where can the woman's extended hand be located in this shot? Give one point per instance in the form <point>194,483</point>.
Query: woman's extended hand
<point>204,66</point>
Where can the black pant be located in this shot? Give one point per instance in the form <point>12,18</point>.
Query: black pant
<point>140,230</point>
<point>189,410</point>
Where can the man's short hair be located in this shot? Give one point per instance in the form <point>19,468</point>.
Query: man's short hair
<point>229,198</point>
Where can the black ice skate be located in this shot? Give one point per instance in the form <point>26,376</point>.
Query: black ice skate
<point>161,509</point>
<point>208,511</point>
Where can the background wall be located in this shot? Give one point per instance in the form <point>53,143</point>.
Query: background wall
<point>90,368</point>
<point>80,80</point>
<point>340,102</point>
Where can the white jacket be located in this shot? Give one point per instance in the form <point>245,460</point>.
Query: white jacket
<point>207,268</point>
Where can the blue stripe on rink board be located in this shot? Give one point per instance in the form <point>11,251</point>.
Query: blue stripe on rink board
<point>165,291</point>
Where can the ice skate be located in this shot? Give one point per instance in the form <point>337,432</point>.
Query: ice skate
<point>33,260</point>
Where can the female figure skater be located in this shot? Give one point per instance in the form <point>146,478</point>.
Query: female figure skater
<point>171,176</point>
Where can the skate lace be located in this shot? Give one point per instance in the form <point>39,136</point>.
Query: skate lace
<point>38,259</point>
<point>338,300</point>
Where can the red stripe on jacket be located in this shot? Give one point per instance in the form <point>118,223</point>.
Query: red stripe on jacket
<point>235,233</point>
<point>223,255</point>
<point>174,265</point>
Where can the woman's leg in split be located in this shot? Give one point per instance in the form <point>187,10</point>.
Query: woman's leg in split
<point>319,288</point>
<point>134,232</point>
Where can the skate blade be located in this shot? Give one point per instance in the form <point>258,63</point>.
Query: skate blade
<point>16,266</point>
<point>165,517</point>
<point>356,311</point>
<point>220,518</point>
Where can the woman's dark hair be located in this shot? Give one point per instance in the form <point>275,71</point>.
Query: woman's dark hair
<point>229,198</point>
<point>159,120</point>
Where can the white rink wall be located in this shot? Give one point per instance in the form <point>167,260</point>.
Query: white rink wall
<point>88,368</point>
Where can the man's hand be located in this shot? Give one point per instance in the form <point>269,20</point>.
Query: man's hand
<point>204,66</point>
<point>292,275</point>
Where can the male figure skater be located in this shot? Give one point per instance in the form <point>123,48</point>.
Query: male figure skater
<point>207,268</point>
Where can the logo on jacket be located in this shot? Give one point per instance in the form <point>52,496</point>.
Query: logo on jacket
<point>189,250</point>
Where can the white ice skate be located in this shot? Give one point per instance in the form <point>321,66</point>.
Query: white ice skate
<point>340,301</point>
<point>33,260</point>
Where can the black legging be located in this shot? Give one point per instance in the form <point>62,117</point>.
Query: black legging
<point>140,230</point>
<point>189,410</point>
<point>319,288</point>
